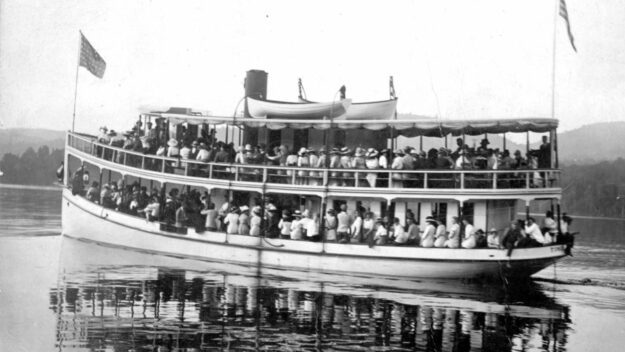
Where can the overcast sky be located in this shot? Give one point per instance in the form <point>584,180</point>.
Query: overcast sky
<point>453,59</point>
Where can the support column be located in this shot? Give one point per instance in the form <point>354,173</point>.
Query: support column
<point>527,209</point>
<point>460,211</point>
<point>559,219</point>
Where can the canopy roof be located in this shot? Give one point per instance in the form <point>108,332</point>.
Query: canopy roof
<point>418,126</point>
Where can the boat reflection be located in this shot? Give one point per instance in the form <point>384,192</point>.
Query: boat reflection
<point>113,299</point>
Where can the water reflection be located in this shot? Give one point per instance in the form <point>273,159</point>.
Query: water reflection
<point>118,300</point>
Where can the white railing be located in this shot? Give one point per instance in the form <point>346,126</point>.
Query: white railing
<point>421,179</point>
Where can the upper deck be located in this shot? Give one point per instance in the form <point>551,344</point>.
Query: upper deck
<point>525,184</point>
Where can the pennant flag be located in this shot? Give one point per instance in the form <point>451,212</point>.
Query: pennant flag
<point>90,59</point>
<point>565,14</point>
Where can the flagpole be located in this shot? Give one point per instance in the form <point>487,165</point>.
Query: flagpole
<point>76,84</point>
<point>553,61</point>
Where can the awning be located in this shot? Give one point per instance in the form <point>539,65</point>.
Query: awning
<point>418,126</point>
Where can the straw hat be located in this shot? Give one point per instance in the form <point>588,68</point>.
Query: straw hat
<point>322,150</point>
<point>345,150</point>
<point>256,210</point>
<point>398,152</point>
<point>297,213</point>
<point>414,151</point>
<point>372,153</point>
<point>244,208</point>
<point>172,142</point>
<point>302,151</point>
<point>248,148</point>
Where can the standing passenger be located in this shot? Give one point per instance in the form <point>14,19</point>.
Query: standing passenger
<point>285,225</point>
<point>330,225</point>
<point>372,163</point>
<point>232,221</point>
<point>368,226</point>
<point>397,166</point>
<point>356,228</point>
<point>296,225</point>
<point>255,222</point>
<point>312,229</point>
<point>343,229</point>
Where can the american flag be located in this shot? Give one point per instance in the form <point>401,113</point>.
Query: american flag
<point>565,14</point>
<point>90,59</point>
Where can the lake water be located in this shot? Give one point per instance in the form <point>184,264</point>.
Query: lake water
<point>58,294</point>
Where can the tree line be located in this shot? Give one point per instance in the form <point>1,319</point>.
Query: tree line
<point>592,190</point>
<point>32,167</point>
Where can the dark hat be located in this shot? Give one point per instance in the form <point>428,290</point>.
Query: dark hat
<point>484,141</point>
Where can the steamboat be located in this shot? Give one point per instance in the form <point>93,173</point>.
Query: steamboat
<point>486,197</point>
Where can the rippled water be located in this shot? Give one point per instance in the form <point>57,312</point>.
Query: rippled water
<point>62,294</point>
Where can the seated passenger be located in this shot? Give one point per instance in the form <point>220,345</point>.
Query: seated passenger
<point>255,222</point>
<point>397,165</point>
<point>469,240</point>
<point>372,163</point>
<point>296,225</point>
<point>181,215</point>
<point>512,236</point>
<point>534,237</point>
<point>285,225</point>
<point>106,197</point>
<point>440,237</point>
<point>412,231</point>
<point>453,239</point>
<point>244,220</point>
<point>549,227</point>
<point>381,234</point>
<point>492,239</point>
<point>400,236</point>
<point>427,237</point>
<point>312,229</point>
<point>480,239</point>
<point>93,193</point>
<point>152,210</point>
<point>232,221</point>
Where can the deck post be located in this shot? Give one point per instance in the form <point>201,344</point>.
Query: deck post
<point>494,180</point>
<point>460,223</point>
<point>559,219</point>
<point>425,180</point>
<point>527,209</point>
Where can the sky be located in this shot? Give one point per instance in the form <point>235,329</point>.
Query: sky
<point>449,59</point>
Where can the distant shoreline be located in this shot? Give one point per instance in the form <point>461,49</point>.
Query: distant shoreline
<point>33,187</point>
<point>578,217</point>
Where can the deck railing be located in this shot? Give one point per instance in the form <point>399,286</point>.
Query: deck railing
<point>321,177</point>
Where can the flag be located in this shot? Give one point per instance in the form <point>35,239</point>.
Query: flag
<point>565,14</point>
<point>90,59</point>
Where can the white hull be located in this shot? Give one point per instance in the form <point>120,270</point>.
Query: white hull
<point>86,220</point>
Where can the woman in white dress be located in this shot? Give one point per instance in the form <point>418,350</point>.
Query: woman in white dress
<point>440,237</point>
<point>469,235</point>
<point>427,237</point>
<point>453,239</point>
<point>232,221</point>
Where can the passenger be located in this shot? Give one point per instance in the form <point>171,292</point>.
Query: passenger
<point>330,225</point>
<point>335,163</point>
<point>116,139</point>
<point>356,227</point>
<point>152,210</point>
<point>549,227</point>
<point>244,221</point>
<point>358,162</point>
<point>313,160</point>
<point>169,211</point>
<point>459,148</point>
<point>343,228</point>
<point>78,186</point>
<point>116,197</point>
<point>511,237</point>
<point>381,234</point>
<point>492,163</point>
<point>453,239</point>
<point>296,225</point>
<point>185,152</point>
<point>368,227</point>
<point>397,166</point>
<point>232,221</point>
<point>255,222</point>
<point>346,163</point>
<point>195,149</point>
<point>312,229</point>
<point>400,236</point>
<point>203,154</point>
<point>427,237</point>
<point>211,217</point>
<point>181,215</point>
<point>383,178</point>
<point>285,225</point>
<point>105,197</point>
<point>303,161</point>
<point>320,163</point>
<point>480,239</point>
<point>93,193</point>
<point>291,163</point>
<point>463,162</point>
<point>412,231</point>
<point>372,163</point>
<point>534,237</point>
<point>173,151</point>
<point>409,163</point>
<point>440,237</point>
<point>103,136</point>
<point>492,239</point>
<point>469,240</point>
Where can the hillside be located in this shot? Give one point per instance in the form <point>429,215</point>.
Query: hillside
<point>593,143</point>
<point>17,140</point>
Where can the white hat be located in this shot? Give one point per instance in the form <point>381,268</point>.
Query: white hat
<point>302,150</point>
<point>244,208</point>
<point>172,142</point>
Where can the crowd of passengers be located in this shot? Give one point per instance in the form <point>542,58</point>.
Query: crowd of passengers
<point>208,149</point>
<point>194,209</point>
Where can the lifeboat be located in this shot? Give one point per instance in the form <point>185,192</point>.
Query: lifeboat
<point>297,110</point>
